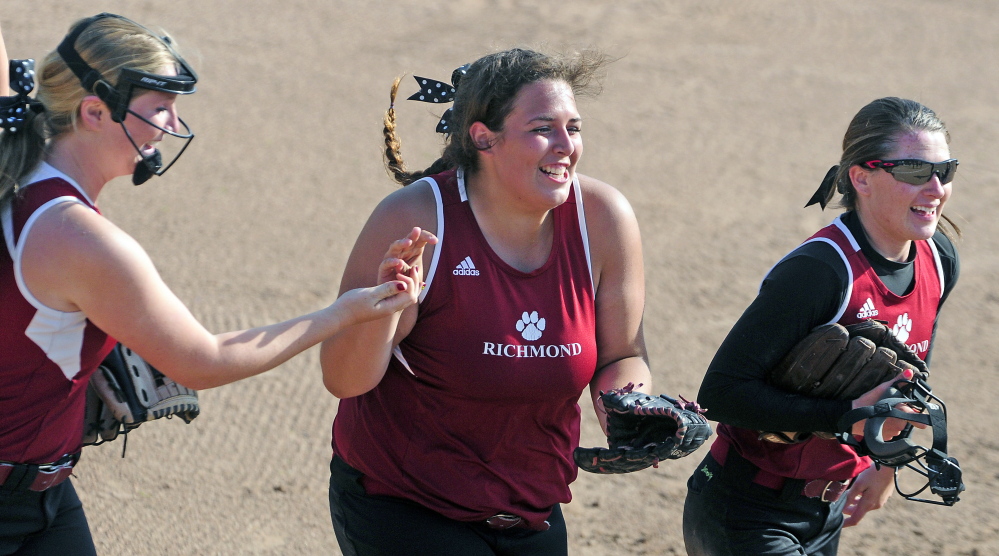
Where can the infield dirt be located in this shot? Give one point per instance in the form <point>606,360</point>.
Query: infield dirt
<point>717,122</point>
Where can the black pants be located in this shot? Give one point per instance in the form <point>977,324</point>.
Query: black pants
<point>725,514</point>
<point>44,523</point>
<point>382,525</point>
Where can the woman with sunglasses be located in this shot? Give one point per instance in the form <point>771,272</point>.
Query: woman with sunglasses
<point>72,283</point>
<point>753,496</point>
<point>459,416</point>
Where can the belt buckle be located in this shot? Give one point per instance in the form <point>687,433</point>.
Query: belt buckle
<point>830,491</point>
<point>826,490</point>
<point>503,521</point>
<point>50,475</point>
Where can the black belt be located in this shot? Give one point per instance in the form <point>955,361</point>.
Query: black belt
<point>36,477</point>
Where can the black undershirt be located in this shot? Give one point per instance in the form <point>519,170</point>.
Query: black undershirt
<point>803,291</point>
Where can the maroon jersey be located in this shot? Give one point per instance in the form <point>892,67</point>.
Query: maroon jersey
<point>46,356</point>
<point>910,317</point>
<point>477,413</point>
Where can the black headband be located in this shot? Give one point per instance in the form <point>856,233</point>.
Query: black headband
<point>117,97</point>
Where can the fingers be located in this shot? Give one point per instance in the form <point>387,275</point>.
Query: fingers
<point>855,507</point>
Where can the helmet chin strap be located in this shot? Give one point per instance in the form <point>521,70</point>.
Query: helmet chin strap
<point>147,168</point>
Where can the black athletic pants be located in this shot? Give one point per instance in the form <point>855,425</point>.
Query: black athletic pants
<point>44,523</point>
<point>382,525</point>
<point>726,514</point>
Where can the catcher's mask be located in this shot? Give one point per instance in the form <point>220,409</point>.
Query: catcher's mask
<point>942,473</point>
<point>118,97</point>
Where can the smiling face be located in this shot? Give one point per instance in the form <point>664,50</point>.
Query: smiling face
<point>157,107</point>
<point>535,154</point>
<point>895,213</point>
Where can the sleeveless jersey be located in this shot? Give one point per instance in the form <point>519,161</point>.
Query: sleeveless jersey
<point>910,317</point>
<point>46,356</point>
<point>477,413</point>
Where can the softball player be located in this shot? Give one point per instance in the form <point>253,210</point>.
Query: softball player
<point>884,258</point>
<point>72,283</point>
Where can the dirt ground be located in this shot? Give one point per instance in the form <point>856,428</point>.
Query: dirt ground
<point>717,122</point>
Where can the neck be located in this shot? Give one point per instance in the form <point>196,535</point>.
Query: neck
<point>71,156</point>
<point>521,237</point>
<point>892,250</point>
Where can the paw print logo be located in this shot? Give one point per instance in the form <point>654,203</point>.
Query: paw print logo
<point>902,328</point>
<point>530,326</point>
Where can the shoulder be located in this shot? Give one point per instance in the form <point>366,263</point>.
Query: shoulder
<point>949,259</point>
<point>602,200</point>
<point>810,263</point>
<point>617,248</point>
<point>945,246</point>
<point>72,251</point>
<point>607,210</point>
<point>415,199</point>
<point>75,231</point>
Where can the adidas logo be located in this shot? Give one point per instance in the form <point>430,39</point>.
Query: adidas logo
<point>466,268</point>
<point>868,310</point>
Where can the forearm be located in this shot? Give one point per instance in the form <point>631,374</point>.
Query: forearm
<point>210,360</point>
<point>618,374</point>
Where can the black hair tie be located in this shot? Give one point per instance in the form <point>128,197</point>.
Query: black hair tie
<point>826,189</point>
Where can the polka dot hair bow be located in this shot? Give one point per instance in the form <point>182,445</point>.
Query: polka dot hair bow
<point>439,92</point>
<point>14,109</point>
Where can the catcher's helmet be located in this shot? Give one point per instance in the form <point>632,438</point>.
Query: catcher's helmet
<point>942,472</point>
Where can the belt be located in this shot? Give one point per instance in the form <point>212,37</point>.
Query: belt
<point>36,477</point>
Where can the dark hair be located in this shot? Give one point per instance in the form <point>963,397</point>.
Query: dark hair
<point>873,134</point>
<point>486,94</point>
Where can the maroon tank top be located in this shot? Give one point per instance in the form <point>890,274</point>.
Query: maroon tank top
<point>46,356</point>
<point>477,413</point>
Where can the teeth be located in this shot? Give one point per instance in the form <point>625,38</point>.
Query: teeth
<point>553,170</point>
<point>926,210</point>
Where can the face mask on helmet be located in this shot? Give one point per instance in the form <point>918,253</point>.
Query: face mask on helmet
<point>939,472</point>
<point>118,97</point>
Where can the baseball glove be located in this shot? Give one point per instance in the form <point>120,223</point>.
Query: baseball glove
<point>126,392</point>
<point>644,430</point>
<point>841,362</point>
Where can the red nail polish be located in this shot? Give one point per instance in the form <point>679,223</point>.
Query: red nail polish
<point>401,287</point>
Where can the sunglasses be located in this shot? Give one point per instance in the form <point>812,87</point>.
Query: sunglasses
<point>914,171</point>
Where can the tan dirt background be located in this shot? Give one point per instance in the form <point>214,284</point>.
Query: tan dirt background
<point>718,122</point>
